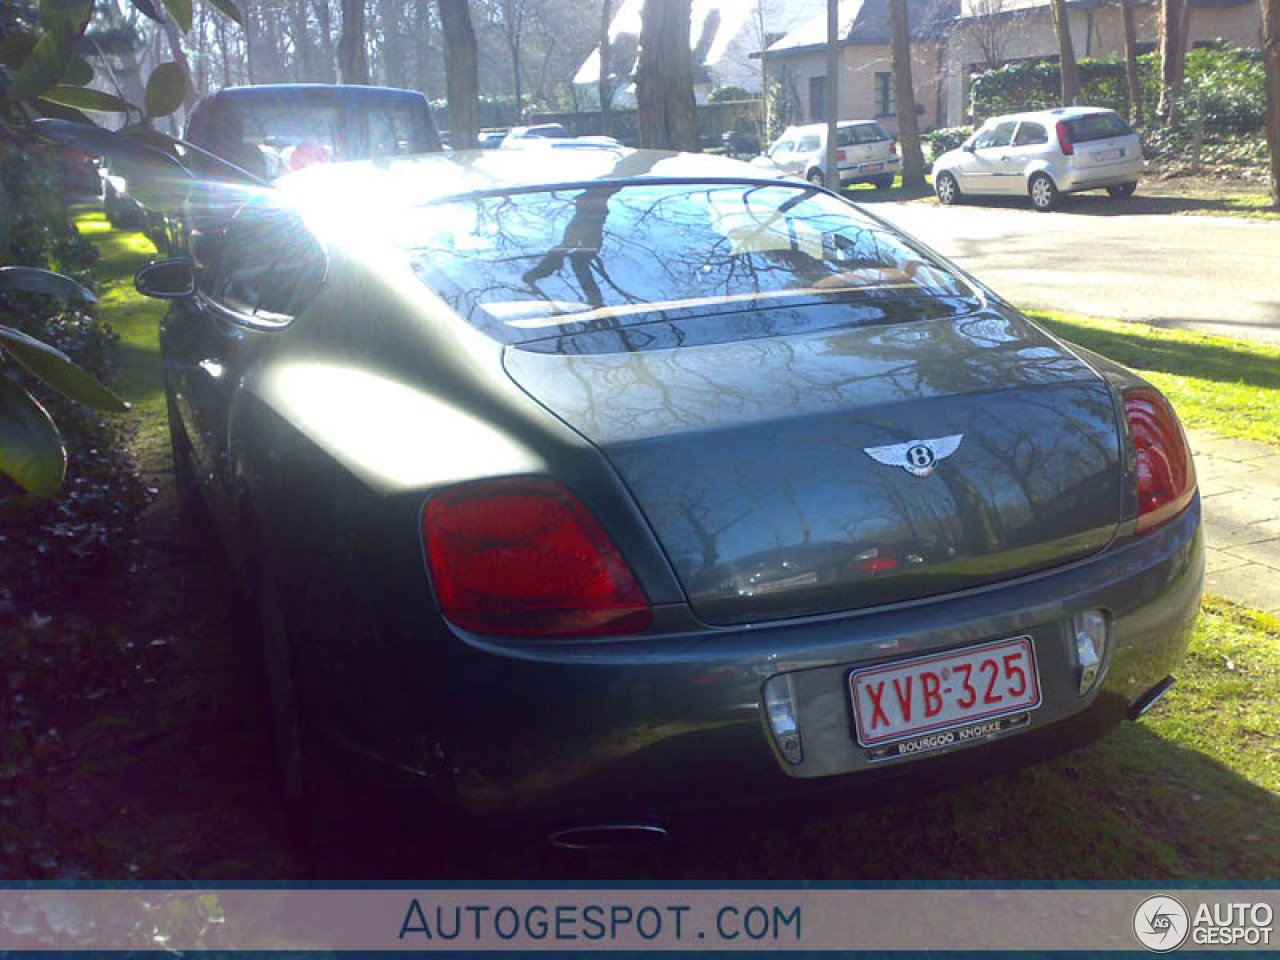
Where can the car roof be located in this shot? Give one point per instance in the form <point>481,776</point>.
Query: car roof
<point>428,177</point>
<point>814,127</point>
<point>312,92</point>
<point>1057,113</point>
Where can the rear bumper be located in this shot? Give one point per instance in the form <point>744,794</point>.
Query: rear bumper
<point>863,172</point>
<point>1093,178</point>
<point>666,728</point>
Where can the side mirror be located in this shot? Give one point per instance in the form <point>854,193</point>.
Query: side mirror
<point>166,279</point>
<point>967,146</point>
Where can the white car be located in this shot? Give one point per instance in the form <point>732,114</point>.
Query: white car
<point>865,153</point>
<point>1043,155</point>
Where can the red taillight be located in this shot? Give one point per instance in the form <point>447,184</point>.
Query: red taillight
<point>1166,474</point>
<point>840,156</point>
<point>893,148</point>
<point>523,557</point>
<point>1064,140</point>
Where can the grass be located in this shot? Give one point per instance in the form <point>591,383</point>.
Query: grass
<point>1206,197</point>
<point>1191,793</point>
<point>1229,386</point>
<point>135,319</point>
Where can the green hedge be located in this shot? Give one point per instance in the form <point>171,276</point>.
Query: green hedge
<point>1231,81</point>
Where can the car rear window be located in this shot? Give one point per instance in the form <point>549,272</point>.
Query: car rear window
<point>271,136</point>
<point>532,265</point>
<point>1097,126</point>
<point>862,133</point>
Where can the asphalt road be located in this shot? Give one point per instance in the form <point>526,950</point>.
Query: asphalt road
<point>1120,259</point>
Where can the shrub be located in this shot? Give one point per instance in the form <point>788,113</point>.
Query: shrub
<point>730,93</point>
<point>946,138</point>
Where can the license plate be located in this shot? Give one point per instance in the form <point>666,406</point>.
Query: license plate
<point>898,701</point>
<point>1109,154</point>
<point>872,167</point>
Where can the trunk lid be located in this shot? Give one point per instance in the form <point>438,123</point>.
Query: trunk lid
<point>774,471</point>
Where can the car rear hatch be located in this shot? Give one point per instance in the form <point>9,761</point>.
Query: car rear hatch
<point>1102,140</point>
<point>836,470</point>
<point>862,145</point>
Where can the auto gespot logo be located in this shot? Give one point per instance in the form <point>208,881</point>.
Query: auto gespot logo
<point>1161,923</point>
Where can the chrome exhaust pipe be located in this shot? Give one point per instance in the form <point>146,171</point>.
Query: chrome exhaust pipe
<point>608,836</point>
<point>1151,698</point>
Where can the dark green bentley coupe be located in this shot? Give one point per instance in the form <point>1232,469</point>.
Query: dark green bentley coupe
<point>595,488</point>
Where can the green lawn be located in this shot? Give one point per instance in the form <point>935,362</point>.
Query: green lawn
<point>1229,386</point>
<point>135,318</point>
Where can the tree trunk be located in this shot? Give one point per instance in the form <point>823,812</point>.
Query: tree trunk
<point>668,116</point>
<point>1170,43</point>
<point>513,23</point>
<point>249,45</point>
<point>1066,54</point>
<point>605,88</point>
<point>1271,60</point>
<point>462,79</point>
<point>904,96</point>
<point>223,49</point>
<point>831,162</point>
<point>353,64</point>
<point>323,21</point>
<point>1131,62</point>
<point>304,53</point>
<point>394,57</point>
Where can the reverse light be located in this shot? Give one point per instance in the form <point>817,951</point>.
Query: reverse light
<point>1064,140</point>
<point>1091,635</point>
<point>893,148</point>
<point>779,707</point>
<point>1166,473</point>
<point>524,557</point>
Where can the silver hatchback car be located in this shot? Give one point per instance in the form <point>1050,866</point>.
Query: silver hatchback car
<point>1043,155</point>
<point>865,153</point>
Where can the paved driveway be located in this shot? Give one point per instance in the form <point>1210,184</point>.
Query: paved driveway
<point>1100,257</point>
<point>1214,274</point>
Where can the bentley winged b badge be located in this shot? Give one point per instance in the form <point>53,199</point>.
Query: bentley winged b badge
<point>917,457</point>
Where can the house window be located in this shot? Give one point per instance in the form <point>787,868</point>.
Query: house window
<point>884,95</point>
<point>817,98</point>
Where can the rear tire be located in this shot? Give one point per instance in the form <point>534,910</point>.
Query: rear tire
<point>314,796</point>
<point>883,183</point>
<point>816,178</point>
<point>1122,191</point>
<point>1043,192</point>
<point>190,507</point>
<point>948,191</point>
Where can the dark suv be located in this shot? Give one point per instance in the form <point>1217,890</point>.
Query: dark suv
<point>271,130</point>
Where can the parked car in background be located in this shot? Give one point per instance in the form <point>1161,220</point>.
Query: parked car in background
<point>865,153</point>
<point>743,139</point>
<point>1042,155</point>
<point>275,129</point>
<point>117,203</point>
<point>540,131</point>
<point>601,488</point>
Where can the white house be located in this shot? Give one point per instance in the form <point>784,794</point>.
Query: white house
<point>723,36</point>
